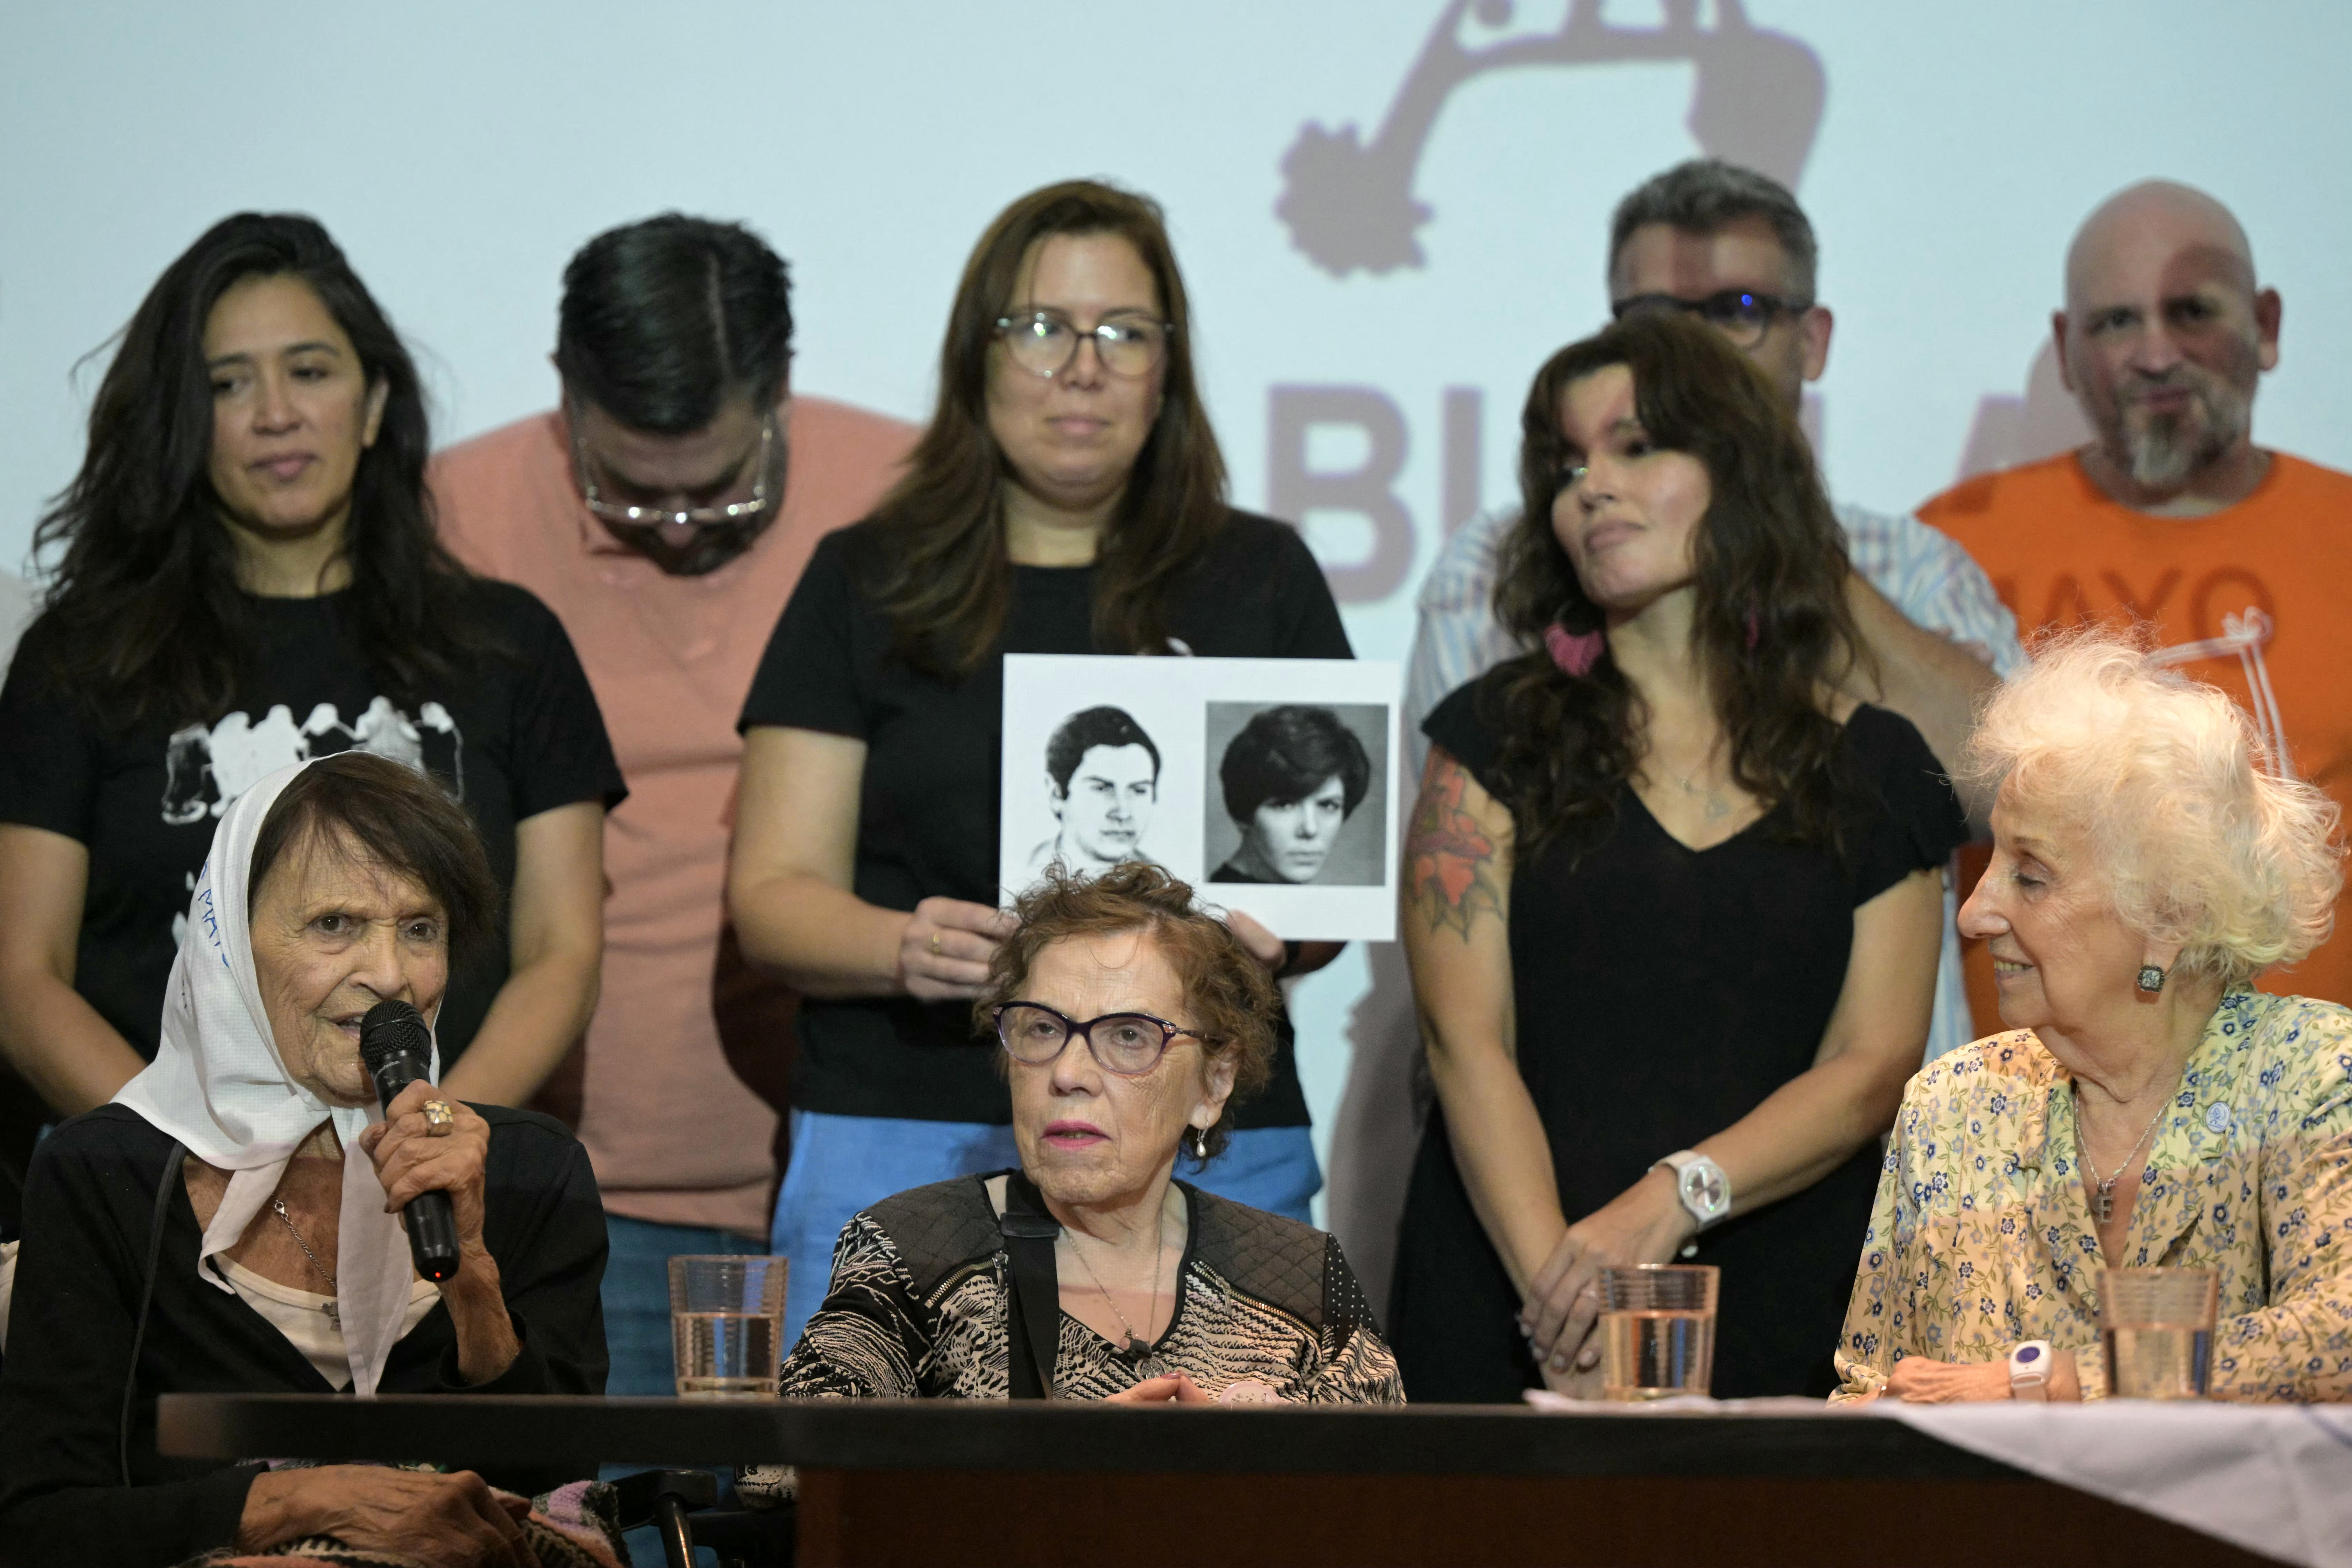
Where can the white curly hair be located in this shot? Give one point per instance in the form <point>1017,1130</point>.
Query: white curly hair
<point>2198,839</point>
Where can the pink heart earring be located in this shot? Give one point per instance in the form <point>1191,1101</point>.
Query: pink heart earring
<point>1575,652</point>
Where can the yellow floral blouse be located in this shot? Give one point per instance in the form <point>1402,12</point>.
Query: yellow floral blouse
<point>1982,1238</point>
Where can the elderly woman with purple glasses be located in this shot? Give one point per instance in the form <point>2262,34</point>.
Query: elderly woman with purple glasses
<point>1127,1021</point>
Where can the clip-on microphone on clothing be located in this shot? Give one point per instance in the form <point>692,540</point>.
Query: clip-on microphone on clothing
<point>395,1045</point>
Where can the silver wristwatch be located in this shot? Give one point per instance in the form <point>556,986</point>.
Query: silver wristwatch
<point>1700,1182</point>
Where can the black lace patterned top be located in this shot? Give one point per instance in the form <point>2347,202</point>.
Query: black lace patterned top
<point>918,1310</point>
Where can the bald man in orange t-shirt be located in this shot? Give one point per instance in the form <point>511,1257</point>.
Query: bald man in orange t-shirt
<point>2239,560</point>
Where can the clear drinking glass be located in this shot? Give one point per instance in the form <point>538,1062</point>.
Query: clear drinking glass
<point>2156,1328</point>
<point>1657,1329</point>
<point>727,1325</point>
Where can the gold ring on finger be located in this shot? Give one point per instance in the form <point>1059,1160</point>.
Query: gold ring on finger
<point>440,1118</point>
<point>935,944</point>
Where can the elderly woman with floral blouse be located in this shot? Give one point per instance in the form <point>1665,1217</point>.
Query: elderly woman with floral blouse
<point>2146,1108</point>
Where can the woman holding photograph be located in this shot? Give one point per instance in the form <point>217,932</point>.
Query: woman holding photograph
<point>1671,896</point>
<point>1069,497</point>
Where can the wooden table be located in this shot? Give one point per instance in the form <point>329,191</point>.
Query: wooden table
<point>921,1483</point>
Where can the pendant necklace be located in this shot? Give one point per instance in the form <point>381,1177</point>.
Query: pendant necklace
<point>1146,1364</point>
<point>1716,807</point>
<point>2102,1202</point>
<point>1711,800</point>
<point>334,1308</point>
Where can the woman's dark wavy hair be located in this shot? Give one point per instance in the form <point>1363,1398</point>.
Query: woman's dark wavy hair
<point>943,579</point>
<point>1773,626</point>
<point>144,620</point>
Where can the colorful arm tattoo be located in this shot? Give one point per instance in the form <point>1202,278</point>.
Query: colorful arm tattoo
<point>1450,861</point>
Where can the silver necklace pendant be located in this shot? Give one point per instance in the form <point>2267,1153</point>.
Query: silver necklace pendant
<point>1147,1365</point>
<point>2102,1202</point>
<point>334,1312</point>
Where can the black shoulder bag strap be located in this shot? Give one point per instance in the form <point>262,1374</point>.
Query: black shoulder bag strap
<point>163,1190</point>
<point>1033,1305</point>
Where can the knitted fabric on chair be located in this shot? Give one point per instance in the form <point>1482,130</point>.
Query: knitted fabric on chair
<point>575,1526</point>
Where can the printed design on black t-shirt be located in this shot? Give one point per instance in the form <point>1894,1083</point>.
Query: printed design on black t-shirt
<point>206,767</point>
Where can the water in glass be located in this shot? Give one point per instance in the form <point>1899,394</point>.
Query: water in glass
<point>1657,1329</point>
<point>2158,1361</point>
<point>2156,1330</point>
<point>725,1354</point>
<point>727,1325</point>
<point>1655,1354</point>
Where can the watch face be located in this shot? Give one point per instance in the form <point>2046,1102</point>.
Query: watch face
<point>1703,1188</point>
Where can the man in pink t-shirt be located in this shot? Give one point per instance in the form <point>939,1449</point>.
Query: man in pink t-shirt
<point>664,511</point>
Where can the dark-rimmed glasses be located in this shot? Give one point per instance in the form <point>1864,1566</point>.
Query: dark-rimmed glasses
<point>1128,1044</point>
<point>1738,314</point>
<point>1044,342</point>
<point>692,517</point>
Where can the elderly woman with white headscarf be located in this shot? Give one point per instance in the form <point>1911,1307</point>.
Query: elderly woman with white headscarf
<point>2147,1107</point>
<point>231,1221</point>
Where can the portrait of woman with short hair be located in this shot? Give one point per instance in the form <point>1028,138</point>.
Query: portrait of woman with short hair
<point>1290,781</point>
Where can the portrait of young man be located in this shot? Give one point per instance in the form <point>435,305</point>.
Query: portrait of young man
<point>1102,783</point>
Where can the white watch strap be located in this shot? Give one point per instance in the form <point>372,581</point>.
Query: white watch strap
<point>2029,1371</point>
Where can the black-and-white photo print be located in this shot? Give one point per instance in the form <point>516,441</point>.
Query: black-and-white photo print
<point>1296,794</point>
<point>1268,785</point>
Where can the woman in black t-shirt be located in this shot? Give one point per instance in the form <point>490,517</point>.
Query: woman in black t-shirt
<point>250,577</point>
<point>1672,899</point>
<point>1068,497</point>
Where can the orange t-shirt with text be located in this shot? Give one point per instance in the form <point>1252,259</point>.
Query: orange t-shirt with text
<point>2255,598</point>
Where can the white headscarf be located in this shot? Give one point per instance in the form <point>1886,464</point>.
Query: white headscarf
<point>218,1085</point>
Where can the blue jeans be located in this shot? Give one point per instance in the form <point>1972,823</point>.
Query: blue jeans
<point>636,1295</point>
<point>842,1164</point>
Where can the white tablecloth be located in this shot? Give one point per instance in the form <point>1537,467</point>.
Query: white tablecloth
<point>2274,1479</point>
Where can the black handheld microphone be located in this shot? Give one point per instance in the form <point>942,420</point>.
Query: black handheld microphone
<point>397,1048</point>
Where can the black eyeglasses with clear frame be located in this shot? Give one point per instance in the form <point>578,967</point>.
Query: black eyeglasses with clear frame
<point>1044,342</point>
<point>1128,1044</point>
<point>1738,314</point>
<point>762,456</point>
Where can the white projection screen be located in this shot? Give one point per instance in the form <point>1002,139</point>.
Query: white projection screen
<point>1389,211</point>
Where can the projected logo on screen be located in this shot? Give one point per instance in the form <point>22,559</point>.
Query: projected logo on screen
<point>1349,203</point>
